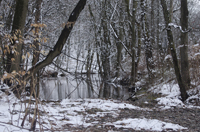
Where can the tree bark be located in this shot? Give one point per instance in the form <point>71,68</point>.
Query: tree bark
<point>181,84</point>
<point>184,43</point>
<point>9,19</point>
<point>139,47</point>
<point>36,54</point>
<point>147,42</point>
<point>152,28</point>
<point>105,41</point>
<point>118,44</point>
<point>133,48</point>
<point>14,59</point>
<point>132,19</point>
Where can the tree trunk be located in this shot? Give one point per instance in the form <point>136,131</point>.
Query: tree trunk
<point>105,47</point>
<point>158,30</point>
<point>152,28</point>
<point>36,53</point>
<point>119,53</point>
<point>184,44</point>
<point>118,43</point>
<point>139,47</point>
<point>14,59</point>
<point>9,19</point>
<point>133,43</point>
<point>147,42</point>
<point>160,55</point>
<point>181,84</point>
<point>132,19</point>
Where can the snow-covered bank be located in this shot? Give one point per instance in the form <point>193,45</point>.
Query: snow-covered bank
<point>74,113</point>
<point>171,96</point>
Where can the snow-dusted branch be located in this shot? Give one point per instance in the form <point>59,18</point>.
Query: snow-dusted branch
<point>116,36</point>
<point>176,26</point>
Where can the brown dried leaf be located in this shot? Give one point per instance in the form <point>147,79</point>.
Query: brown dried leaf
<point>12,59</point>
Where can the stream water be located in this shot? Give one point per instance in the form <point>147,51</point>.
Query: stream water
<point>75,87</point>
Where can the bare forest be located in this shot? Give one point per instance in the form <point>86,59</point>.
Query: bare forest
<point>123,50</point>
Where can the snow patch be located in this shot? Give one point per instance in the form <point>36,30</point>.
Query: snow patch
<point>170,93</point>
<point>146,124</point>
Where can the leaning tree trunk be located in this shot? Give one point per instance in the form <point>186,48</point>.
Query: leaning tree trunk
<point>184,43</point>
<point>181,84</point>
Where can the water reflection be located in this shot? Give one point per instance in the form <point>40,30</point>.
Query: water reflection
<point>79,87</point>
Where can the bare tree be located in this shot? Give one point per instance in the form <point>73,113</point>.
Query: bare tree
<point>184,43</point>
<point>181,84</point>
<point>147,41</point>
<point>132,19</point>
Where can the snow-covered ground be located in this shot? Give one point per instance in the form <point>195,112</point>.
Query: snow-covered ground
<point>80,112</point>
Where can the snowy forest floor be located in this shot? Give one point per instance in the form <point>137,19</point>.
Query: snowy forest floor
<point>157,109</point>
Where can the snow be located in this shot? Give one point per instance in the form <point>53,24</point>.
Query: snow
<point>147,124</point>
<point>167,103</point>
<point>196,54</point>
<point>105,105</point>
<point>176,26</point>
<point>74,112</point>
<point>168,57</point>
<point>78,112</point>
<point>169,90</point>
<point>170,96</point>
<point>11,128</point>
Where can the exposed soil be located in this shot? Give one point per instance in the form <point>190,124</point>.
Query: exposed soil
<point>184,117</point>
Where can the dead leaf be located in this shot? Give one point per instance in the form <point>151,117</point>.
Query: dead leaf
<point>12,59</point>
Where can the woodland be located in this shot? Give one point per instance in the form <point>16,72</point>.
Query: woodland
<point>136,44</point>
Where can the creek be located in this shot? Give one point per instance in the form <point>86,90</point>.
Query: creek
<point>80,86</point>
